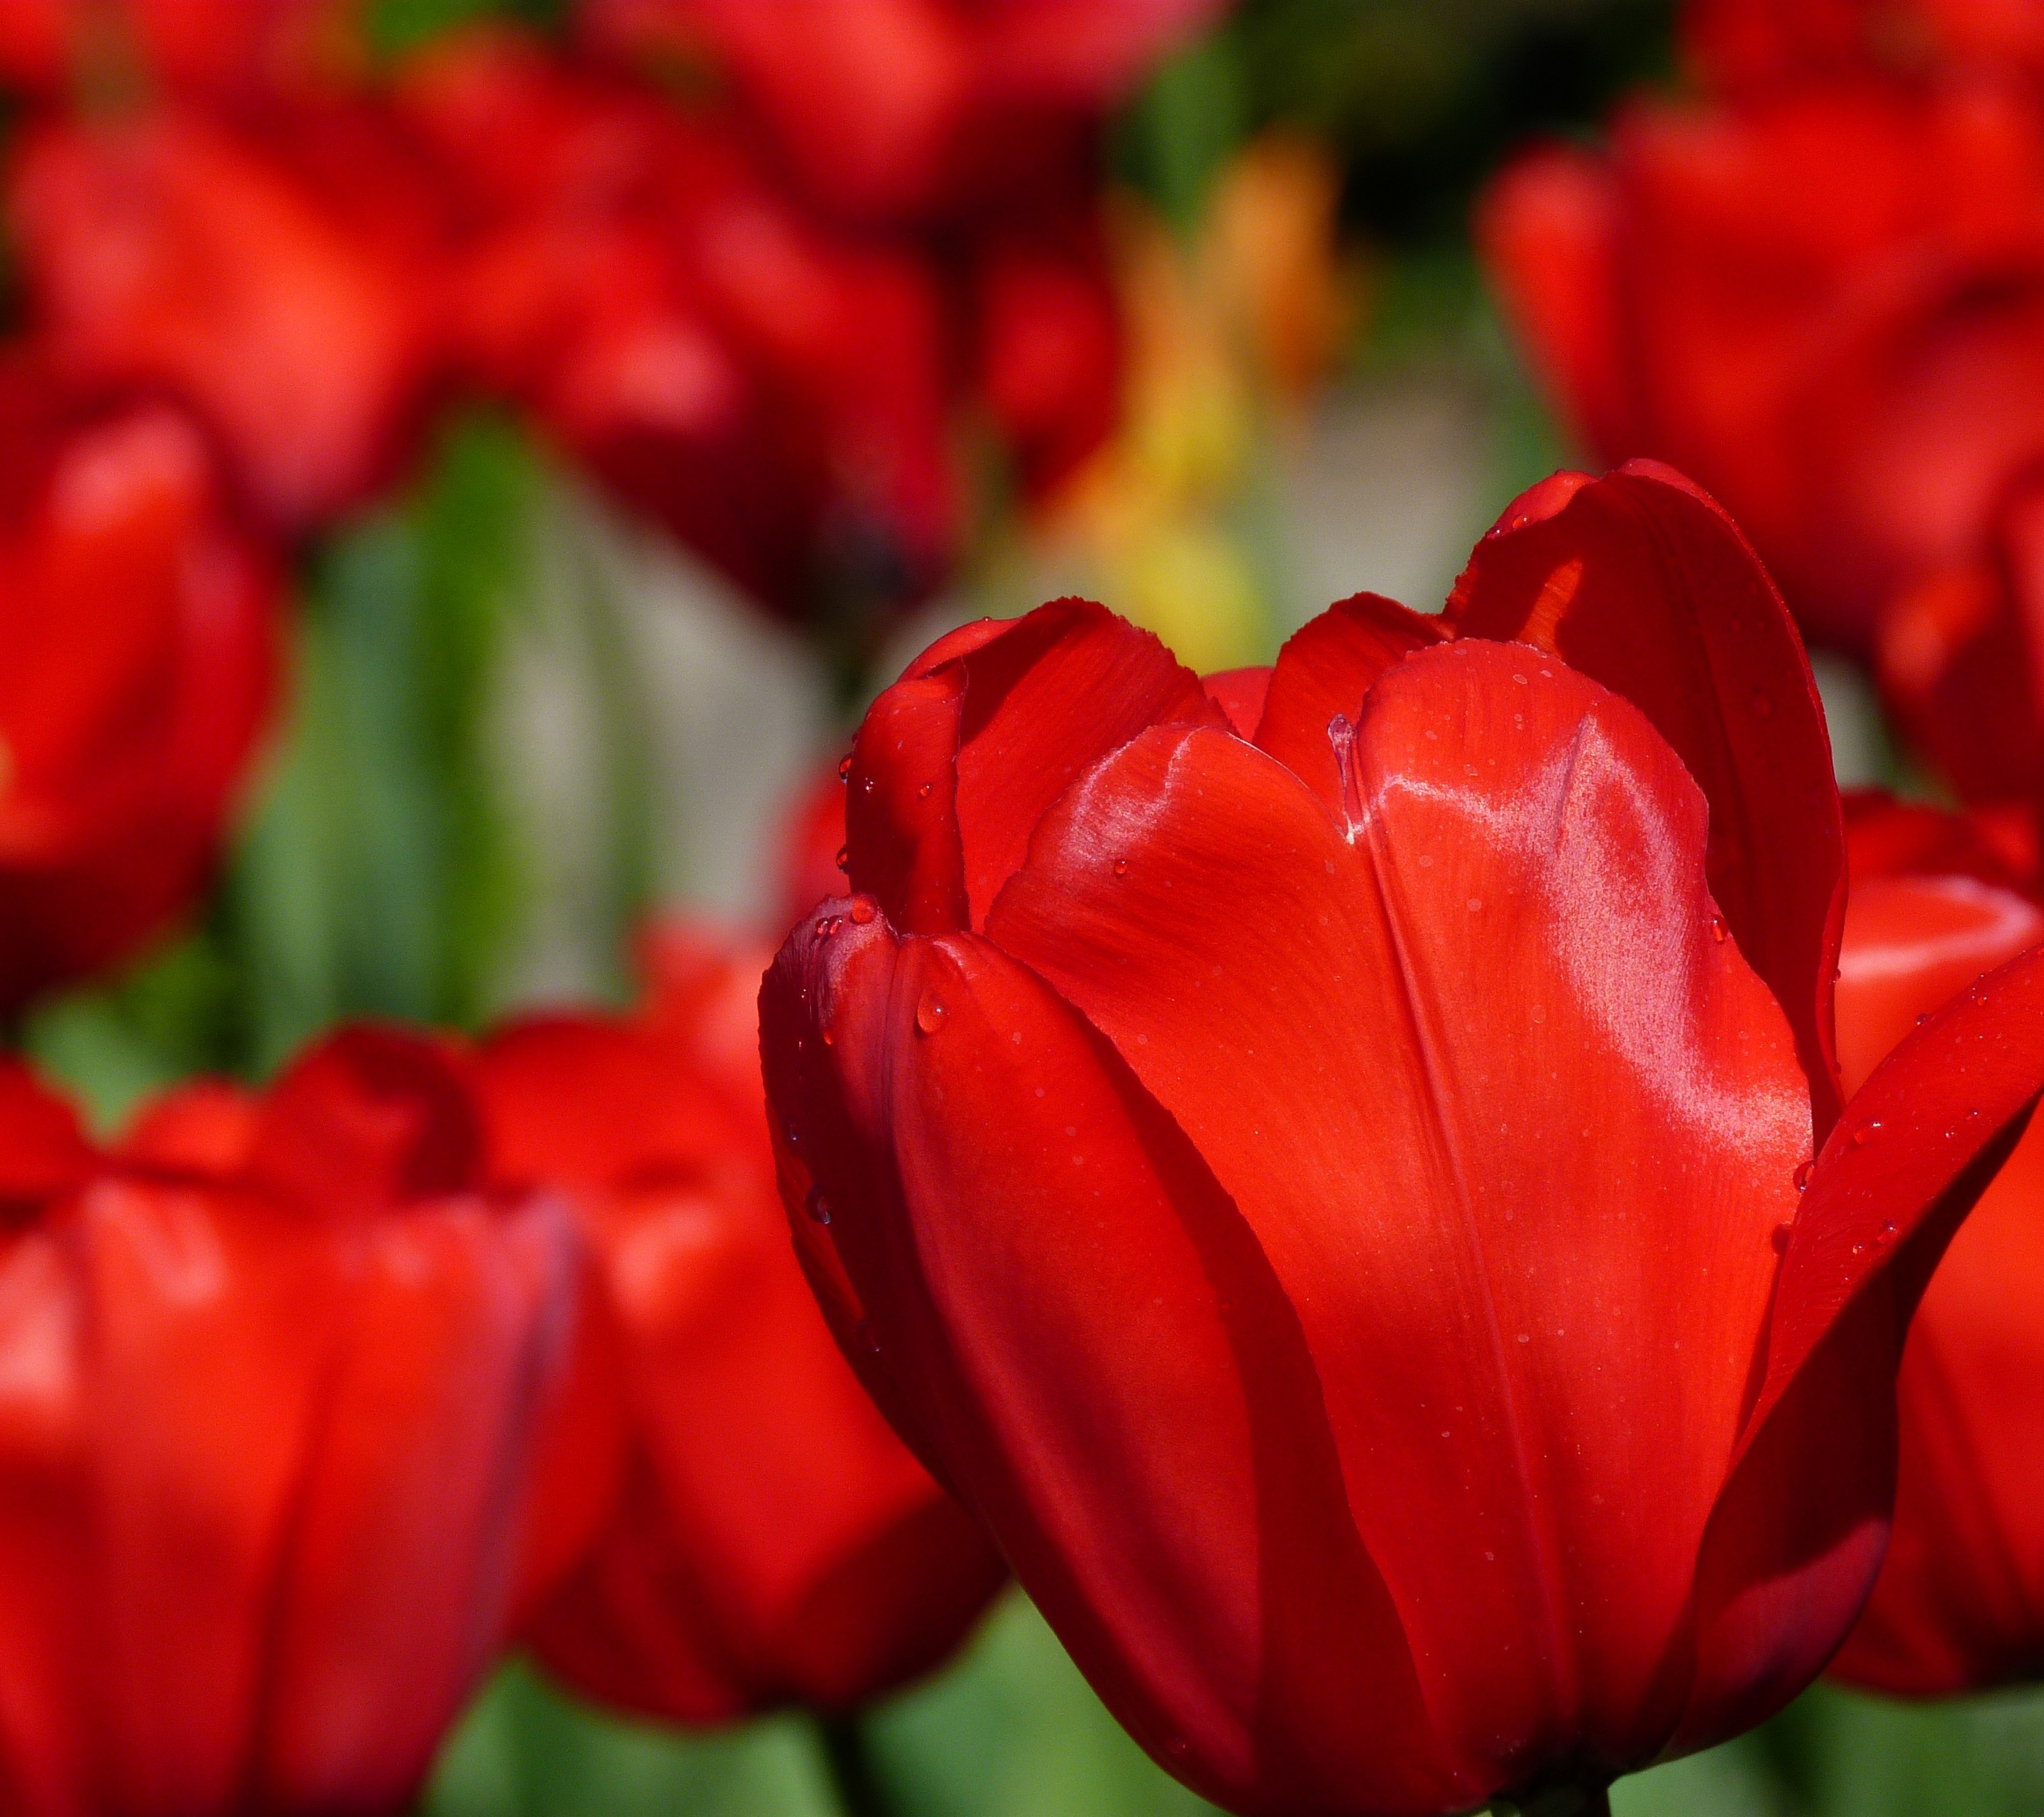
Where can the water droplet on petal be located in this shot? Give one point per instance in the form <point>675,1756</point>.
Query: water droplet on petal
<point>1802,1176</point>
<point>1885,1233</point>
<point>1121,867</point>
<point>844,768</point>
<point>830,1040</point>
<point>1865,1134</point>
<point>930,1013</point>
<point>1720,930</point>
<point>844,857</point>
<point>818,1206</point>
<point>862,911</point>
<point>923,793</point>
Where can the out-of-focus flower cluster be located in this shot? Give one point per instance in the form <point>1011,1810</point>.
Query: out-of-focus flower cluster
<point>814,302</point>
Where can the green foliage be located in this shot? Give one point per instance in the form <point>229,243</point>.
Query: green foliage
<point>394,27</point>
<point>527,1751</point>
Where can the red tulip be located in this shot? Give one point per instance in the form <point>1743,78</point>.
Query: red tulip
<point>1829,305</point>
<point>775,1541</point>
<point>268,1374</point>
<point>1047,327</point>
<point>136,666</point>
<point>888,110</point>
<point>1327,1178</point>
<point>1959,1605</point>
<point>221,46</point>
<point>770,391</point>
<point>168,255</point>
<point>1961,668</point>
<point>1744,46</point>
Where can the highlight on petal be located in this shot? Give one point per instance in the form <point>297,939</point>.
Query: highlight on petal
<point>1495,1005</point>
<point>1640,582</point>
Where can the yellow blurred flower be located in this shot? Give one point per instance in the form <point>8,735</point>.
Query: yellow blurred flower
<point>1228,336</point>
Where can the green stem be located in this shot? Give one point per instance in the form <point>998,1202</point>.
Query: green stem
<point>853,1774</point>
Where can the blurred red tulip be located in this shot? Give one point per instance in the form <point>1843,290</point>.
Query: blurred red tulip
<point>775,1541</point>
<point>894,109</point>
<point>270,1370</point>
<point>770,391</point>
<point>1746,46</point>
<point>1961,659</point>
<point>1829,305</point>
<point>137,659</point>
<point>1959,1605</point>
<point>1274,1147</point>
<point>1047,327</point>
<point>167,254</point>
<point>223,47</point>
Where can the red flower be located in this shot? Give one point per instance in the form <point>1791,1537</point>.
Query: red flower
<point>1829,305</point>
<point>138,655</point>
<point>1318,1172</point>
<point>1962,666</point>
<point>218,46</point>
<point>269,1374</point>
<point>1744,46</point>
<point>1959,1605</point>
<point>166,253</point>
<point>774,1542</point>
<point>1047,336</point>
<point>770,391</point>
<point>887,109</point>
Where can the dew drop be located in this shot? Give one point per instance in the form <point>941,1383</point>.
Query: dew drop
<point>844,857</point>
<point>830,1039</point>
<point>1719,930</point>
<point>1476,905</point>
<point>818,1206</point>
<point>1885,1233</point>
<point>923,793</point>
<point>1865,1134</point>
<point>930,1013</point>
<point>1802,1176</point>
<point>862,911</point>
<point>844,768</point>
<point>1121,867</point>
<point>823,925</point>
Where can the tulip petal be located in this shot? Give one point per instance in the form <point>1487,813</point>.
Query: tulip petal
<point>1958,1085</point>
<point>211,1326</point>
<point>937,804</point>
<point>1240,693</point>
<point>1130,1405</point>
<point>1922,1140</point>
<point>1494,1100</point>
<point>1325,668</point>
<point>901,808</point>
<point>1641,582</point>
<point>400,1545</point>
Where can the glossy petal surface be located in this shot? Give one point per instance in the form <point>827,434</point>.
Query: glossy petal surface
<point>1441,1017</point>
<point>1640,582</point>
